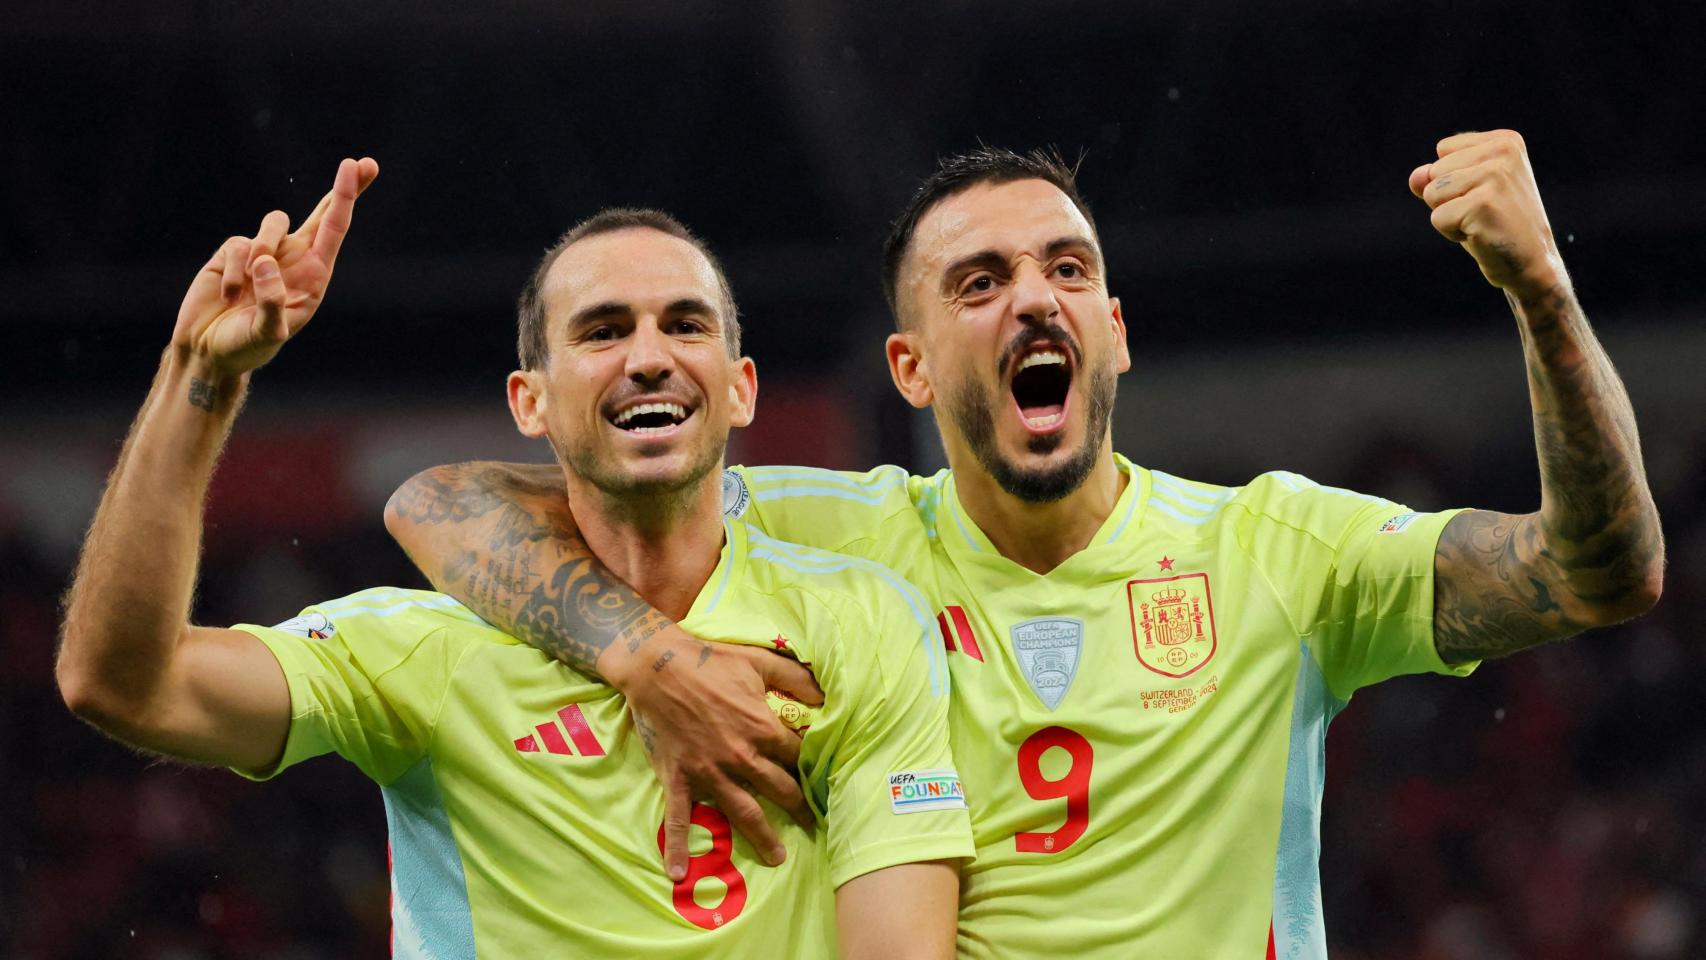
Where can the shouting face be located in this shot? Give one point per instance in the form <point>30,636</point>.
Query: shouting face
<point>1010,333</point>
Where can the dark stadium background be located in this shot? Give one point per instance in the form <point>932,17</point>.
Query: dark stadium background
<point>1289,307</point>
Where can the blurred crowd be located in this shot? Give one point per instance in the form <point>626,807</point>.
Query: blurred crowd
<point>1550,806</point>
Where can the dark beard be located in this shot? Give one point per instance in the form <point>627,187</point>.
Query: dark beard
<point>973,412</point>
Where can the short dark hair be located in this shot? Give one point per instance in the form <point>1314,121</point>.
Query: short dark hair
<point>960,172</point>
<point>531,344</point>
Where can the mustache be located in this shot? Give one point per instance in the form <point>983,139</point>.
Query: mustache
<point>1047,333</point>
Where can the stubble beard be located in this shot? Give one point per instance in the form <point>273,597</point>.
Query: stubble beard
<point>636,495</point>
<point>972,409</point>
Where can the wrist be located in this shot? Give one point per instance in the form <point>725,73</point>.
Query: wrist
<point>623,664</point>
<point>212,386</point>
<point>1543,285</point>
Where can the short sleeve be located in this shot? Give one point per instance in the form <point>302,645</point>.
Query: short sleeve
<point>363,687</point>
<point>894,793</point>
<point>1354,572</point>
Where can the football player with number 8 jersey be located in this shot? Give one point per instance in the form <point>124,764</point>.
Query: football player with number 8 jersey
<point>524,817</point>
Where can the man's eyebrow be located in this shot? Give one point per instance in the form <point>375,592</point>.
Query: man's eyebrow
<point>991,260</point>
<point>981,260</point>
<point>599,311</point>
<point>692,305</point>
<point>1061,245</point>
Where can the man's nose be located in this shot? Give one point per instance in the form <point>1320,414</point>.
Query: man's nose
<point>1034,302</point>
<point>649,357</point>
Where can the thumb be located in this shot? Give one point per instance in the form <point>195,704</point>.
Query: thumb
<point>269,300</point>
<point>1420,178</point>
<point>790,677</point>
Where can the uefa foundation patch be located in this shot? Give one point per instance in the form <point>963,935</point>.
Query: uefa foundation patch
<point>923,790</point>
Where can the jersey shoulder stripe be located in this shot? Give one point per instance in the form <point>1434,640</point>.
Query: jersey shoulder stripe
<point>1322,512</point>
<point>871,488</point>
<point>391,602</point>
<point>890,587</point>
<point>1188,501</point>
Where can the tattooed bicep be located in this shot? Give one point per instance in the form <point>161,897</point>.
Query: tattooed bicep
<point>1495,590</point>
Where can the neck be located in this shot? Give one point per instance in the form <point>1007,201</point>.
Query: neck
<point>664,547</point>
<point>1041,536</point>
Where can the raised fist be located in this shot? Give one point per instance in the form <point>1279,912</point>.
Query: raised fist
<point>1483,196</point>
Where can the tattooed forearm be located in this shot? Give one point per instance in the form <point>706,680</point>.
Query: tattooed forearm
<point>1594,553</point>
<point>575,612</point>
<point>501,538</point>
<point>459,494</point>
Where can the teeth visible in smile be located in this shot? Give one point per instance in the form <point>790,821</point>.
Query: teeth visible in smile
<point>1047,421</point>
<point>675,411</point>
<point>1041,357</point>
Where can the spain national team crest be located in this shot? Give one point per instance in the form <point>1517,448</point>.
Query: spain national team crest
<point>1048,648</point>
<point>1172,623</point>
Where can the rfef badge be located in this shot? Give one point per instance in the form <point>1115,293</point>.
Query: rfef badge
<point>1172,623</point>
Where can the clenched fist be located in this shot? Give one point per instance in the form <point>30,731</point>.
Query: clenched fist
<point>1483,196</point>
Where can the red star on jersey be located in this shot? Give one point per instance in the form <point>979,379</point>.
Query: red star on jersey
<point>781,642</point>
<point>1165,563</point>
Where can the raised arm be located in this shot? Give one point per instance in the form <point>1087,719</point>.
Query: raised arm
<point>129,662</point>
<point>1593,554</point>
<point>500,538</point>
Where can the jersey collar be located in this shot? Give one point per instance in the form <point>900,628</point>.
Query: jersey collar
<point>963,539</point>
<point>731,566</point>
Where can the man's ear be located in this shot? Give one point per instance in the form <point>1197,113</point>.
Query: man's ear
<point>1122,350</point>
<point>743,392</point>
<point>907,367</point>
<point>527,401</point>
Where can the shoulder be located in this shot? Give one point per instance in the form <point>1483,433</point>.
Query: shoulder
<point>885,488</point>
<point>1290,501</point>
<point>838,580</point>
<point>392,618</point>
<point>874,611</point>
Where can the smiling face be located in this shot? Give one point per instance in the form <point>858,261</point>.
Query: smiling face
<point>1010,333</point>
<point>637,392</point>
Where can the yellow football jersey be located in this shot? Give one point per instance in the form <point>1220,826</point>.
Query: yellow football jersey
<point>524,818</point>
<point>1141,731</point>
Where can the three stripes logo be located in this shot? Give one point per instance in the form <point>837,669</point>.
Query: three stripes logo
<point>548,736</point>
<point>956,633</point>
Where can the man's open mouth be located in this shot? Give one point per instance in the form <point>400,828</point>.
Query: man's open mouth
<point>650,417</point>
<point>1041,385</point>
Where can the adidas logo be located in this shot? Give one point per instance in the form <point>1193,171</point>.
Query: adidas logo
<point>549,736</point>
